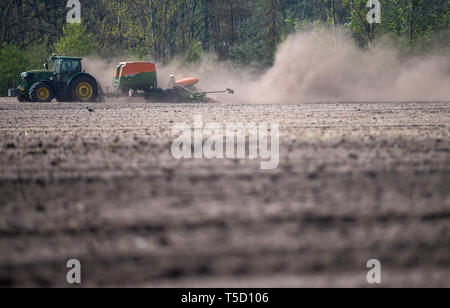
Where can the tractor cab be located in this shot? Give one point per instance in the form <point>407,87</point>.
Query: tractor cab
<point>64,67</point>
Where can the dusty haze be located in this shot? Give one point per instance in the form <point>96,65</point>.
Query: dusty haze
<point>308,68</point>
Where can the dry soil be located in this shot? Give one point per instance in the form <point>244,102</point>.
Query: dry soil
<point>356,181</point>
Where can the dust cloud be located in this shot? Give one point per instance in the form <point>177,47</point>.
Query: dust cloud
<point>309,68</point>
<point>102,70</point>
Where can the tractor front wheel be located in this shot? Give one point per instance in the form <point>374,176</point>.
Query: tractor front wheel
<point>21,98</point>
<point>41,93</point>
<point>83,89</point>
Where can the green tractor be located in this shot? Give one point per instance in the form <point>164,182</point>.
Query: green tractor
<point>63,79</point>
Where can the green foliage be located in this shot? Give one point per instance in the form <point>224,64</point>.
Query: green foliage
<point>412,24</point>
<point>13,62</point>
<point>358,25</point>
<point>37,54</point>
<point>251,47</point>
<point>194,53</point>
<point>75,41</point>
<point>292,25</point>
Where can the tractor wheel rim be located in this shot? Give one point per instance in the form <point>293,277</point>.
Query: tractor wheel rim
<point>84,91</point>
<point>43,94</point>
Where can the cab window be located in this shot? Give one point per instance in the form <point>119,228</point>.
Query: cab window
<point>69,67</point>
<point>56,64</point>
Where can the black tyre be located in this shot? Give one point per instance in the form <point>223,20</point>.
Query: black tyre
<point>83,89</point>
<point>153,94</point>
<point>171,95</point>
<point>125,91</point>
<point>21,98</point>
<point>41,92</point>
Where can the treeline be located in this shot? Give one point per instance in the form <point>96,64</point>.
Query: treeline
<point>244,31</point>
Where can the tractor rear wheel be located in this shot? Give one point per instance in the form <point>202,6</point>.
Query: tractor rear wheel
<point>41,92</point>
<point>83,89</point>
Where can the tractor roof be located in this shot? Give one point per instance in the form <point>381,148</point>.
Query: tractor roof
<point>54,57</point>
